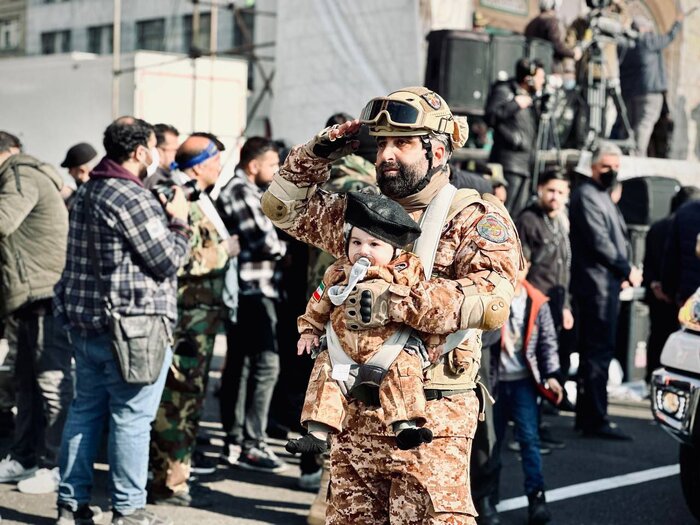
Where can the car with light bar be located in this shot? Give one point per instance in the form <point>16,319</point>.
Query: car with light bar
<point>675,394</point>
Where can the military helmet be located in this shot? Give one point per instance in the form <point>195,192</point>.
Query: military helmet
<point>413,111</point>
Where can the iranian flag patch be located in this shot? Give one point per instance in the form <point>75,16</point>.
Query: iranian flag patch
<point>319,292</point>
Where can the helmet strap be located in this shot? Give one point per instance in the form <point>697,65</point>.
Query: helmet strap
<point>432,170</point>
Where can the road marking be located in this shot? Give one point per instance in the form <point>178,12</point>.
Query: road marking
<point>591,487</point>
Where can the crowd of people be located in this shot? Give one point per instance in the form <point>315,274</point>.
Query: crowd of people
<point>420,299</point>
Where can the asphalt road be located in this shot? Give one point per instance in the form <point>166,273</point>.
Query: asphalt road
<point>242,497</point>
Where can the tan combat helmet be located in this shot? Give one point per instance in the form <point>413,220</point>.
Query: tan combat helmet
<point>413,111</point>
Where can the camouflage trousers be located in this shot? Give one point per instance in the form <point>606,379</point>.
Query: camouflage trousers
<point>174,432</point>
<point>400,393</point>
<point>373,482</point>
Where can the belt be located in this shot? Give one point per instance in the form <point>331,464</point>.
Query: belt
<point>433,394</point>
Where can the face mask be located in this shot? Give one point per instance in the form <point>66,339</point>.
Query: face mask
<point>569,84</point>
<point>608,179</point>
<point>153,166</point>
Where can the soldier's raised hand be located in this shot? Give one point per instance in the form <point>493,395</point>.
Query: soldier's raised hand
<point>336,141</point>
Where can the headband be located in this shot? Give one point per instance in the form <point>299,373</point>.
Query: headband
<point>210,151</point>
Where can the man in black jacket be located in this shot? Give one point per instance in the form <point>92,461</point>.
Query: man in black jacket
<point>513,114</point>
<point>599,266</point>
<point>663,312</point>
<point>680,275</point>
<point>544,229</point>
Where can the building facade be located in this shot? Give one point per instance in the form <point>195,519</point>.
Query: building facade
<point>13,21</point>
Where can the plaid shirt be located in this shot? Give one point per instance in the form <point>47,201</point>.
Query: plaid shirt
<point>139,252</point>
<point>261,248</point>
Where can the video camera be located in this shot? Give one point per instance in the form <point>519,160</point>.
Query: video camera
<point>189,188</point>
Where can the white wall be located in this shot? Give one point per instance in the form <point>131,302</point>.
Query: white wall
<point>57,101</point>
<point>335,56</point>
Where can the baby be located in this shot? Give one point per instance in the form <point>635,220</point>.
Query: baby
<point>376,229</point>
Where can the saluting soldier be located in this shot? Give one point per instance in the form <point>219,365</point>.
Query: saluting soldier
<point>477,259</point>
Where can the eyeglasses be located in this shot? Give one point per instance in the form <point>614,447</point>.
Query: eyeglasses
<point>396,112</point>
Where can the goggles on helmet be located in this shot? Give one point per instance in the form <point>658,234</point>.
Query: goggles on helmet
<point>396,113</point>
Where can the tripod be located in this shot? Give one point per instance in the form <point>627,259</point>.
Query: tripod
<point>547,138</point>
<point>602,81</point>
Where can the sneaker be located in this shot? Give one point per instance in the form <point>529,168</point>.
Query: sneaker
<point>261,458</point>
<point>537,511</point>
<point>85,515</point>
<point>230,454</point>
<point>44,481</point>
<point>12,470</point>
<point>514,446</point>
<point>197,497</point>
<point>139,517</point>
<point>202,464</point>
<point>548,440</point>
<point>310,482</point>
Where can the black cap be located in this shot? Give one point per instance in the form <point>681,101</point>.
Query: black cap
<point>381,217</point>
<point>79,155</point>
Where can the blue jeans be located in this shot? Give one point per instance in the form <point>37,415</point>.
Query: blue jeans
<point>517,400</point>
<point>100,393</point>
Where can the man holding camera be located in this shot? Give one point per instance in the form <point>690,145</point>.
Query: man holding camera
<point>513,113</point>
<point>124,251</point>
<point>201,312</point>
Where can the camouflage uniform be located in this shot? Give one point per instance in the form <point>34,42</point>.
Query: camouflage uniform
<point>349,173</point>
<point>201,314</point>
<point>401,392</point>
<point>372,481</point>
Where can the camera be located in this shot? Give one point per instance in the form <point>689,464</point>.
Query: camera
<point>189,188</point>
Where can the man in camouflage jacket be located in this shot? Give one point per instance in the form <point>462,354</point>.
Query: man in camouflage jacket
<point>477,260</point>
<point>201,313</point>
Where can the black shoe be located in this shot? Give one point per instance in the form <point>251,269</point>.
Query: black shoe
<point>537,511</point>
<point>413,437</point>
<point>548,440</point>
<point>307,444</point>
<point>139,517</point>
<point>83,516</point>
<point>202,464</point>
<point>488,515</point>
<point>607,431</point>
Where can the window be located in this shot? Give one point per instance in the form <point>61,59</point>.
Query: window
<point>150,34</point>
<point>55,42</point>
<point>100,39</point>
<point>9,34</point>
<point>204,31</point>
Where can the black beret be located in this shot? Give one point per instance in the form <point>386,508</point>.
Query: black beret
<point>79,155</point>
<point>381,217</point>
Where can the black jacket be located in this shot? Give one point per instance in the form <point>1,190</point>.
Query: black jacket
<point>599,254</point>
<point>548,240</point>
<point>681,267</point>
<point>514,129</point>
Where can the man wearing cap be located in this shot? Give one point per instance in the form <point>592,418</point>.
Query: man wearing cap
<point>79,163</point>
<point>33,236</point>
<point>476,261</point>
<point>200,318</point>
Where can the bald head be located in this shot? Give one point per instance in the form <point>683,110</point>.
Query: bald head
<point>199,158</point>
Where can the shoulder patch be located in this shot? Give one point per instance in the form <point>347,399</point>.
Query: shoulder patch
<point>432,99</point>
<point>491,228</point>
<point>155,228</point>
<point>319,292</point>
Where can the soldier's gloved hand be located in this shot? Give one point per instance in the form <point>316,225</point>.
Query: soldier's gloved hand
<point>336,141</point>
<point>371,302</point>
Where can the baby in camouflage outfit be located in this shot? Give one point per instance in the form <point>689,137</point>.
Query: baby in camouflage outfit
<point>376,229</point>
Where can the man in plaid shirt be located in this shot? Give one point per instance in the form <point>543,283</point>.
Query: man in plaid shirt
<point>252,341</point>
<point>140,249</point>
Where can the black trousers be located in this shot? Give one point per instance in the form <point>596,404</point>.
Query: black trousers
<point>251,371</point>
<point>663,321</point>
<point>597,329</point>
<point>518,192</point>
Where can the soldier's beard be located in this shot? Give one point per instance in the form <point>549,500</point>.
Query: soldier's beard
<point>403,183</point>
